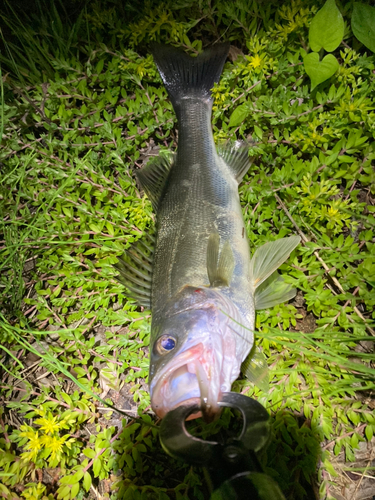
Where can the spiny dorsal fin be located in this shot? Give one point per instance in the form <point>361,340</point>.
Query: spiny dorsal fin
<point>269,257</point>
<point>135,270</point>
<point>153,178</point>
<point>219,270</point>
<point>273,291</point>
<point>235,154</point>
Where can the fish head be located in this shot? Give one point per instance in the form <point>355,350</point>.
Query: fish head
<point>195,354</point>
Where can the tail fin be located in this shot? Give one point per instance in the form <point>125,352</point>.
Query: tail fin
<point>186,76</point>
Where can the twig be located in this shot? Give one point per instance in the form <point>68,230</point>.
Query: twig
<point>305,112</point>
<point>363,474</point>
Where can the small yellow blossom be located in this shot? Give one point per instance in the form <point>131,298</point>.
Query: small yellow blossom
<point>34,444</point>
<point>55,444</point>
<point>40,411</point>
<point>255,61</point>
<point>332,212</point>
<point>49,424</point>
<point>27,431</point>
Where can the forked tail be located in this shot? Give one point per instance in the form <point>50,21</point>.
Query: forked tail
<point>186,76</point>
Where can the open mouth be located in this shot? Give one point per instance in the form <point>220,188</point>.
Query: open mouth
<point>187,380</point>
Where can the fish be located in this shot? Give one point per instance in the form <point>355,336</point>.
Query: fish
<point>197,275</point>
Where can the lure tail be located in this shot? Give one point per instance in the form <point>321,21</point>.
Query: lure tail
<point>186,76</point>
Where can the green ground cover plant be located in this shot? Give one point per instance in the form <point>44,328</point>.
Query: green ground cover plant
<point>83,107</point>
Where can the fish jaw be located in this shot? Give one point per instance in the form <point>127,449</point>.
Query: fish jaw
<point>194,377</point>
<point>206,362</point>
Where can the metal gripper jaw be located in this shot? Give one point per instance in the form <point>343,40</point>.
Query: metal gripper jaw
<point>232,465</point>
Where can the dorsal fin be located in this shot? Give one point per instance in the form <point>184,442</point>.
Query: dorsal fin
<point>236,156</point>
<point>153,178</point>
<point>219,270</point>
<point>135,270</point>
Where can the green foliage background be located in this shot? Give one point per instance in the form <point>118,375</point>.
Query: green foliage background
<point>82,107</point>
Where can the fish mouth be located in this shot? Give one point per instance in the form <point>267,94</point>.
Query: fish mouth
<point>188,380</point>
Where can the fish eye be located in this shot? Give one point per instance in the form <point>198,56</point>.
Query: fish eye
<point>165,344</point>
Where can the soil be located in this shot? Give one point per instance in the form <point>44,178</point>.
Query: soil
<point>355,484</point>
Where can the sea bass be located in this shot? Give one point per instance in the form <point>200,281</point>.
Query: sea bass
<point>199,281</point>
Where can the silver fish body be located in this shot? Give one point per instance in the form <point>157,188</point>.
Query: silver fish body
<point>200,199</point>
<point>203,281</point>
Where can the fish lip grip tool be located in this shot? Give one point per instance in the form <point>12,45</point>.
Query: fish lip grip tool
<point>233,463</point>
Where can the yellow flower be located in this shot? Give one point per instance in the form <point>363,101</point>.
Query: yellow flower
<point>55,444</point>
<point>27,431</point>
<point>332,212</point>
<point>34,444</point>
<point>49,424</point>
<point>255,61</point>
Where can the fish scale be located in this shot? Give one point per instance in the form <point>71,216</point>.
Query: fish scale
<point>208,205</point>
<point>204,285</point>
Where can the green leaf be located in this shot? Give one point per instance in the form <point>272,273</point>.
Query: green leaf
<point>63,492</point>
<point>239,115</point>
<point>74,491</point>
<point>67,211</point>
<point>87,480</point>
<point>258,132</point>
<point>320,71</point>
<point>110,228</point>
<point>97,467</point>
<point>80,371</point>
<point>95,228</point>
<point>67,398</point>
<point>326,28</point>
<point>363,24</point>
<point>89,453</point>
<point>369,432</point>
<point>76,477</point>
<point>329,468</point>
<point>66,480</point>
<point>99,66</point>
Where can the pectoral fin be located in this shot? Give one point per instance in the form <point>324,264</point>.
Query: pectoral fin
<point>269,257</point>
<point>273,291</point>
<point>255,369</point>
<point>219,269</point>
